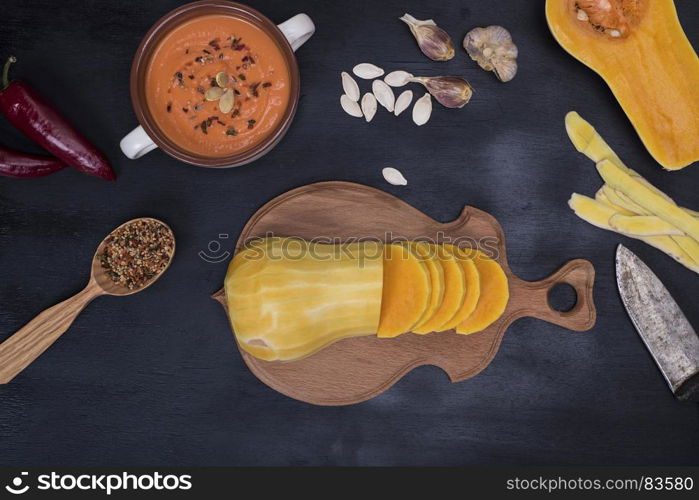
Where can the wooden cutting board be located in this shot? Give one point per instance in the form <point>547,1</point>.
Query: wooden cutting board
<point>357,369</point>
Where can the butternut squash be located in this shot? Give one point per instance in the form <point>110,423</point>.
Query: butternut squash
<point>429,254</point>
<point>454,292</point>
<point>406,290</point>
<point>494,294</point>
<point>288,298</point>
<point>639,48</point>
<point>472,284</point>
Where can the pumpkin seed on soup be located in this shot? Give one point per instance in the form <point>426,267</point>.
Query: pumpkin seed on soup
<point>227,101</point>
<point>214,94</point>
<point>222,79</point>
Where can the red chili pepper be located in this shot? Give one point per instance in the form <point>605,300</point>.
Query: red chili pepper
<point>21,165</point>
<point>28,112</point>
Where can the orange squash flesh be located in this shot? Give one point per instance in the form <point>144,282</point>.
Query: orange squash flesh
<point>430,257</point>
<point>406,290</point>
<point>652,70</point>
<point>454,292</point>
<point>494,294</point>
<point>472,284</point>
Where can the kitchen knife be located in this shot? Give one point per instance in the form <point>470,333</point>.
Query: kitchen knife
<point>663,327</point>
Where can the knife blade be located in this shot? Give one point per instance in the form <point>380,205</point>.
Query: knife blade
<point>660,322</point>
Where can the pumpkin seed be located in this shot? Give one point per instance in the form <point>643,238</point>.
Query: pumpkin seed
<point>422,109</point>
<point>369,106</point>
<point>367,71</point>
<point>350,86</point>
<point>222,79</point>
<point>403,102</point>
<point>213,94</point>
<point>383,94</point>
<point>351,107</point>
<point>394,176</point>
<point>398,78</point>
<point>227,101</point>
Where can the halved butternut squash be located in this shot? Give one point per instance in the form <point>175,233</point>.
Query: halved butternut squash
<point>454,292</point>
<point>472,284</point>
<point>639,48</point>
<point>288,298</point>
<point>406,290</point>
<point>494,293</point>
<point>430,257</point>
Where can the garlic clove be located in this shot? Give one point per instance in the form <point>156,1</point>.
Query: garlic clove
<point>433,41</point>
<point>394,176</point>
<point>398,78</point>
<point>349,85</point>
<point>403,102</point>
<point>422,109</point>
<point>369,106</point>
<point>367,71</point>
<point>383,94</point>
<point>493,49</point>
<point>449,91</point>
<point>351,107</point>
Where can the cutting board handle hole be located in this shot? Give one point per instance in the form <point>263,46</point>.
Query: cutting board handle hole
<point>562,297</point>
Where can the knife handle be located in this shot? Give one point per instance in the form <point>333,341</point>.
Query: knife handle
<point>580,275</point>
<point>689,390</point>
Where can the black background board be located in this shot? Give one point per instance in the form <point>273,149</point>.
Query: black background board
<point>156,379</point>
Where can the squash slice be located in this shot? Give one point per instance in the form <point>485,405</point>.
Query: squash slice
<point>639,48</point>
<point>429,254</point>
<point>494,295</point>
<point>287,298</point>
<point>472,282</point>
<point>406,290</point>
<point>648,199</point>
<point>454,292</point>
<point>598,214</point>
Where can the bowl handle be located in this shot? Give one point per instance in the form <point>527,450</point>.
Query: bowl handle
<point>136,143</point>
<point>297,30</point>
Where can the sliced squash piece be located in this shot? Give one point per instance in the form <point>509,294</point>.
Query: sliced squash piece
<point>639,48</point>
<point>454,291</point>
<point>645,197</point>
<point>598,215</point>
<point>620,199</point>
<point>429,254</point>
<point>495,294</point>
<point>406,290</point>
<point>602,198</point>
<point>287,299</point>
<point>472,283</point>
<point>587,141</point>
<point>643,225</point>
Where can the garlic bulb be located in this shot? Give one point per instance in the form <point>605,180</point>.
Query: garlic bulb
<point>433,41</point>
<point>494,50</point>
<point>449,91</point>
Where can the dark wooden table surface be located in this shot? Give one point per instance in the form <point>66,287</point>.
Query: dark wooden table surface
<point>155,378</point>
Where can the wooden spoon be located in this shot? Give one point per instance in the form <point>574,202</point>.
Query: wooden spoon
<point>28,343</point>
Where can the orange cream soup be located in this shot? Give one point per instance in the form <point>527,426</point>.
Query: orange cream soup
<point>184,67</point>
